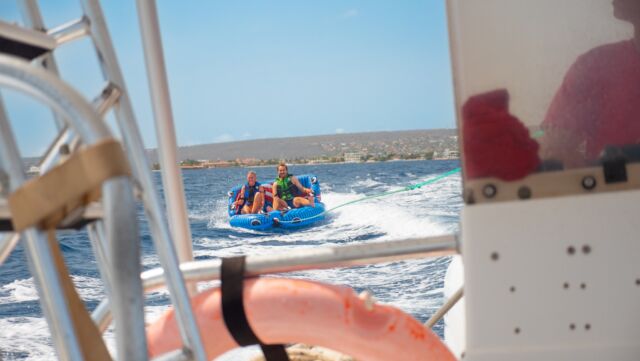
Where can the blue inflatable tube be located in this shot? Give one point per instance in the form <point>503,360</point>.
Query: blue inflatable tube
<point>294,218</point>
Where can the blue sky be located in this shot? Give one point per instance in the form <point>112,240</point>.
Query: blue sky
<point>259,69</point>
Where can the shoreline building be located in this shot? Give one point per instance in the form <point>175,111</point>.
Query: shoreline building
<point>354,157</point>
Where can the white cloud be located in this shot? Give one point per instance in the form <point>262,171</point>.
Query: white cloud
<point>246,135</point>
<point>339,131</point>
<point>225,137</point>
<point>351,13</point>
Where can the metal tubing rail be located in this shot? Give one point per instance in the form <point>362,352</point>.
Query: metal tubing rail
<point>7,244</point>
<point>445,308</point>
<point>39,256</point>
<point>189,331</point>
<point>165,130</point>
<point>97,239</point>
<point>32,18</point>
<point>304,259</point>
<point>107,99</point>
<point>42,85</point>
<point>70,31</point>
<point>317,258</point>
<point>65,142</point>
<point>175,355</point>
<point>26,36</point>
<point>52,155</point>
<point>57,150</point>
<point>123,253</point>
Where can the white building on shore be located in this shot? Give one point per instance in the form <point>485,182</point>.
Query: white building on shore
<point>355,157</point>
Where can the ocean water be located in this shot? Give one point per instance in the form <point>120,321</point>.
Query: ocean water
<point>416,286</point>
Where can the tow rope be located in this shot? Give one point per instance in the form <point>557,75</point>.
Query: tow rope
<point>383,194</point>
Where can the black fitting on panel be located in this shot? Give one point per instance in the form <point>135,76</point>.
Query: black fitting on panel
<point>615,170</point>
<point>524,192</point>
<point>614,163</point>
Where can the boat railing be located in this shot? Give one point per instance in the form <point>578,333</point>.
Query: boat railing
<point>113,97</point>
<point>445,308</point>
<point>141,167</point>
<point>117,196</point>
<point>300,260</point>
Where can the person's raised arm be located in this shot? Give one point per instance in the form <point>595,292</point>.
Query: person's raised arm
<point>302,189</point>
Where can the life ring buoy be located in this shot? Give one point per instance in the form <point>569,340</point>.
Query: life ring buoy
<point>282,311</point>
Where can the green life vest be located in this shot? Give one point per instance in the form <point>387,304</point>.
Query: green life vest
<point>285,188</point>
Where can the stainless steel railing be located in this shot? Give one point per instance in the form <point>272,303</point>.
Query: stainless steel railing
<point>115,97</point>
<point>141,167</point>
<point>19,75</point>
<point>303,259</point>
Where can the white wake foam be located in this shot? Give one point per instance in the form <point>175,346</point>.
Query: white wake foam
<point>22,290</point>
<point>18,291</point>
<point>410,285</point>
<point>14,345</point>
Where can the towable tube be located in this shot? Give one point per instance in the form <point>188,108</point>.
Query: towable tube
<point>294,218</point>
<point>283,311</point>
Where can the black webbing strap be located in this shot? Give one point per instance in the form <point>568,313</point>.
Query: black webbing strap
<point>18,48</point>
<point>232,281</point>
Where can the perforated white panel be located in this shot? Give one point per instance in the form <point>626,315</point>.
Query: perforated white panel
<point>553,279</point>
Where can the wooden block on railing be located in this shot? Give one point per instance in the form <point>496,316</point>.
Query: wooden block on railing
<point>89,214</point>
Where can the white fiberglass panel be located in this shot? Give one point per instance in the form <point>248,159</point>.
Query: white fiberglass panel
<point>553,279</point>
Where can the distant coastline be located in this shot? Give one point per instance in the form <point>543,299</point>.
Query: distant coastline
<point>232,165</point>
<point>422,144</point>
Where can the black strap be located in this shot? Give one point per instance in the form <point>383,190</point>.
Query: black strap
<point>18,48</point>
<point>232,281</point>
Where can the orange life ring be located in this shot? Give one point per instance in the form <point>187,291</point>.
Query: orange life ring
<point>282,311</point>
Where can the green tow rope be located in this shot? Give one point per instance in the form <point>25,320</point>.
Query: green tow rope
<point>384,194</point>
